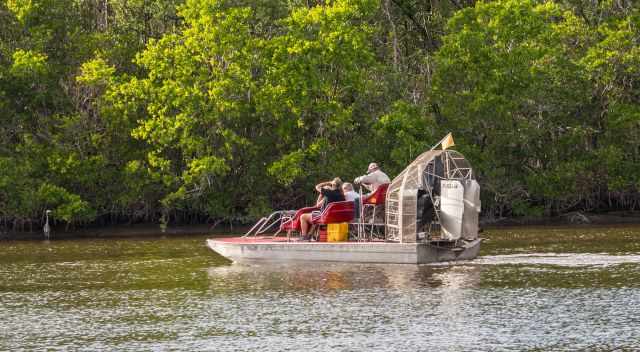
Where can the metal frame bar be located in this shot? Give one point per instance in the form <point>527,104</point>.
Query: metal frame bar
<point>266,223</point>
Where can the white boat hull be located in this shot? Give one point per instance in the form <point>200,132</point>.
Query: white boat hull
<point>360,252</point>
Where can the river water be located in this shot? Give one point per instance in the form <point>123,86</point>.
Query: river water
<point>541,289</point>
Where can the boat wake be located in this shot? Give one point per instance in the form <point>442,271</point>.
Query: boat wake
<point>559,259</point>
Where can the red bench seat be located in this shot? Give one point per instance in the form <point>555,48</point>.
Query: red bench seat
<point>335,212</point>
<point>293,224</point>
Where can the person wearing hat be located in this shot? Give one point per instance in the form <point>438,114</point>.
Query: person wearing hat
<point>373,179</point>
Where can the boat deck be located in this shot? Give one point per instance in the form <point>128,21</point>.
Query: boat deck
<point>279,249</point>
<point>271,239</point>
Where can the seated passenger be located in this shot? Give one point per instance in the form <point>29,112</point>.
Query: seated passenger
<point>350,194</point>
<point>330,191</point>
<point>373,179</point>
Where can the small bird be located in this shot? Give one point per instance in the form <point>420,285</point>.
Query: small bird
<point>47,228</point>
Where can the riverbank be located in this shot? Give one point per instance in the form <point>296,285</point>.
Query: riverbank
<point>122,231</point>
<point>573,218</point>
<point>151,230</point>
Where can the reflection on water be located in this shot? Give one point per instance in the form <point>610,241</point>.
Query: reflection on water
<point>173,294</point>
<point>340,276</point>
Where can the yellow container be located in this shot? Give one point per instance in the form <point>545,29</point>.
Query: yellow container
<point>338,232</point>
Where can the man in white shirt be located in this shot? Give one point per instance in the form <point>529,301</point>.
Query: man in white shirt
<point>373,179</point>
<point>349,193</point>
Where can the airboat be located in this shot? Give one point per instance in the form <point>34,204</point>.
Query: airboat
<point>428,213</point>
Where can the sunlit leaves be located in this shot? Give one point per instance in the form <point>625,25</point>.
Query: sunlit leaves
<point>221,94</point>
<point>28,64</point>
<point>20,8</point>
<point>96,72</point>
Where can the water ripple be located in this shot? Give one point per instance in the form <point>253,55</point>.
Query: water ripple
<point>175,295</point>
<point>560,259</point>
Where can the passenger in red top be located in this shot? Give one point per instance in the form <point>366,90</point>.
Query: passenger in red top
<point>330,191</point>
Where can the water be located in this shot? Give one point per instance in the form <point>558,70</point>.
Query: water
<point>531,289</point>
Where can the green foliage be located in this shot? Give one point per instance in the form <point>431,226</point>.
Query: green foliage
<point>66,206</point>
<point>511,78</point>
<point>207,84</point>
<point>26,198</point>
<point>96,72</point>
<point>288,168</point>
<point>20,8</point>
<point>28,64</point>
<point>207,110</point>
<point>404,133</point>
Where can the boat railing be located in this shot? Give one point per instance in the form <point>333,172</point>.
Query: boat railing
<point>267,223</point>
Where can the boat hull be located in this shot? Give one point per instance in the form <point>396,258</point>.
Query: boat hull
<point>359,252</point>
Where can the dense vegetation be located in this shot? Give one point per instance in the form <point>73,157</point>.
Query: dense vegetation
<point>219,110</point>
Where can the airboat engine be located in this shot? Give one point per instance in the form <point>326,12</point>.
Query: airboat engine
<point>436,198</point>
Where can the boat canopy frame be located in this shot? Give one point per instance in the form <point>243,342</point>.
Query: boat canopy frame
<point>422,177</point>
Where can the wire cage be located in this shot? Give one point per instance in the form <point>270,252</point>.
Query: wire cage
<point>435,198</point>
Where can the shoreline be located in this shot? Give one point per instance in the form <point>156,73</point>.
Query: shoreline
<point>150,230</point>
<point>569,219</point>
